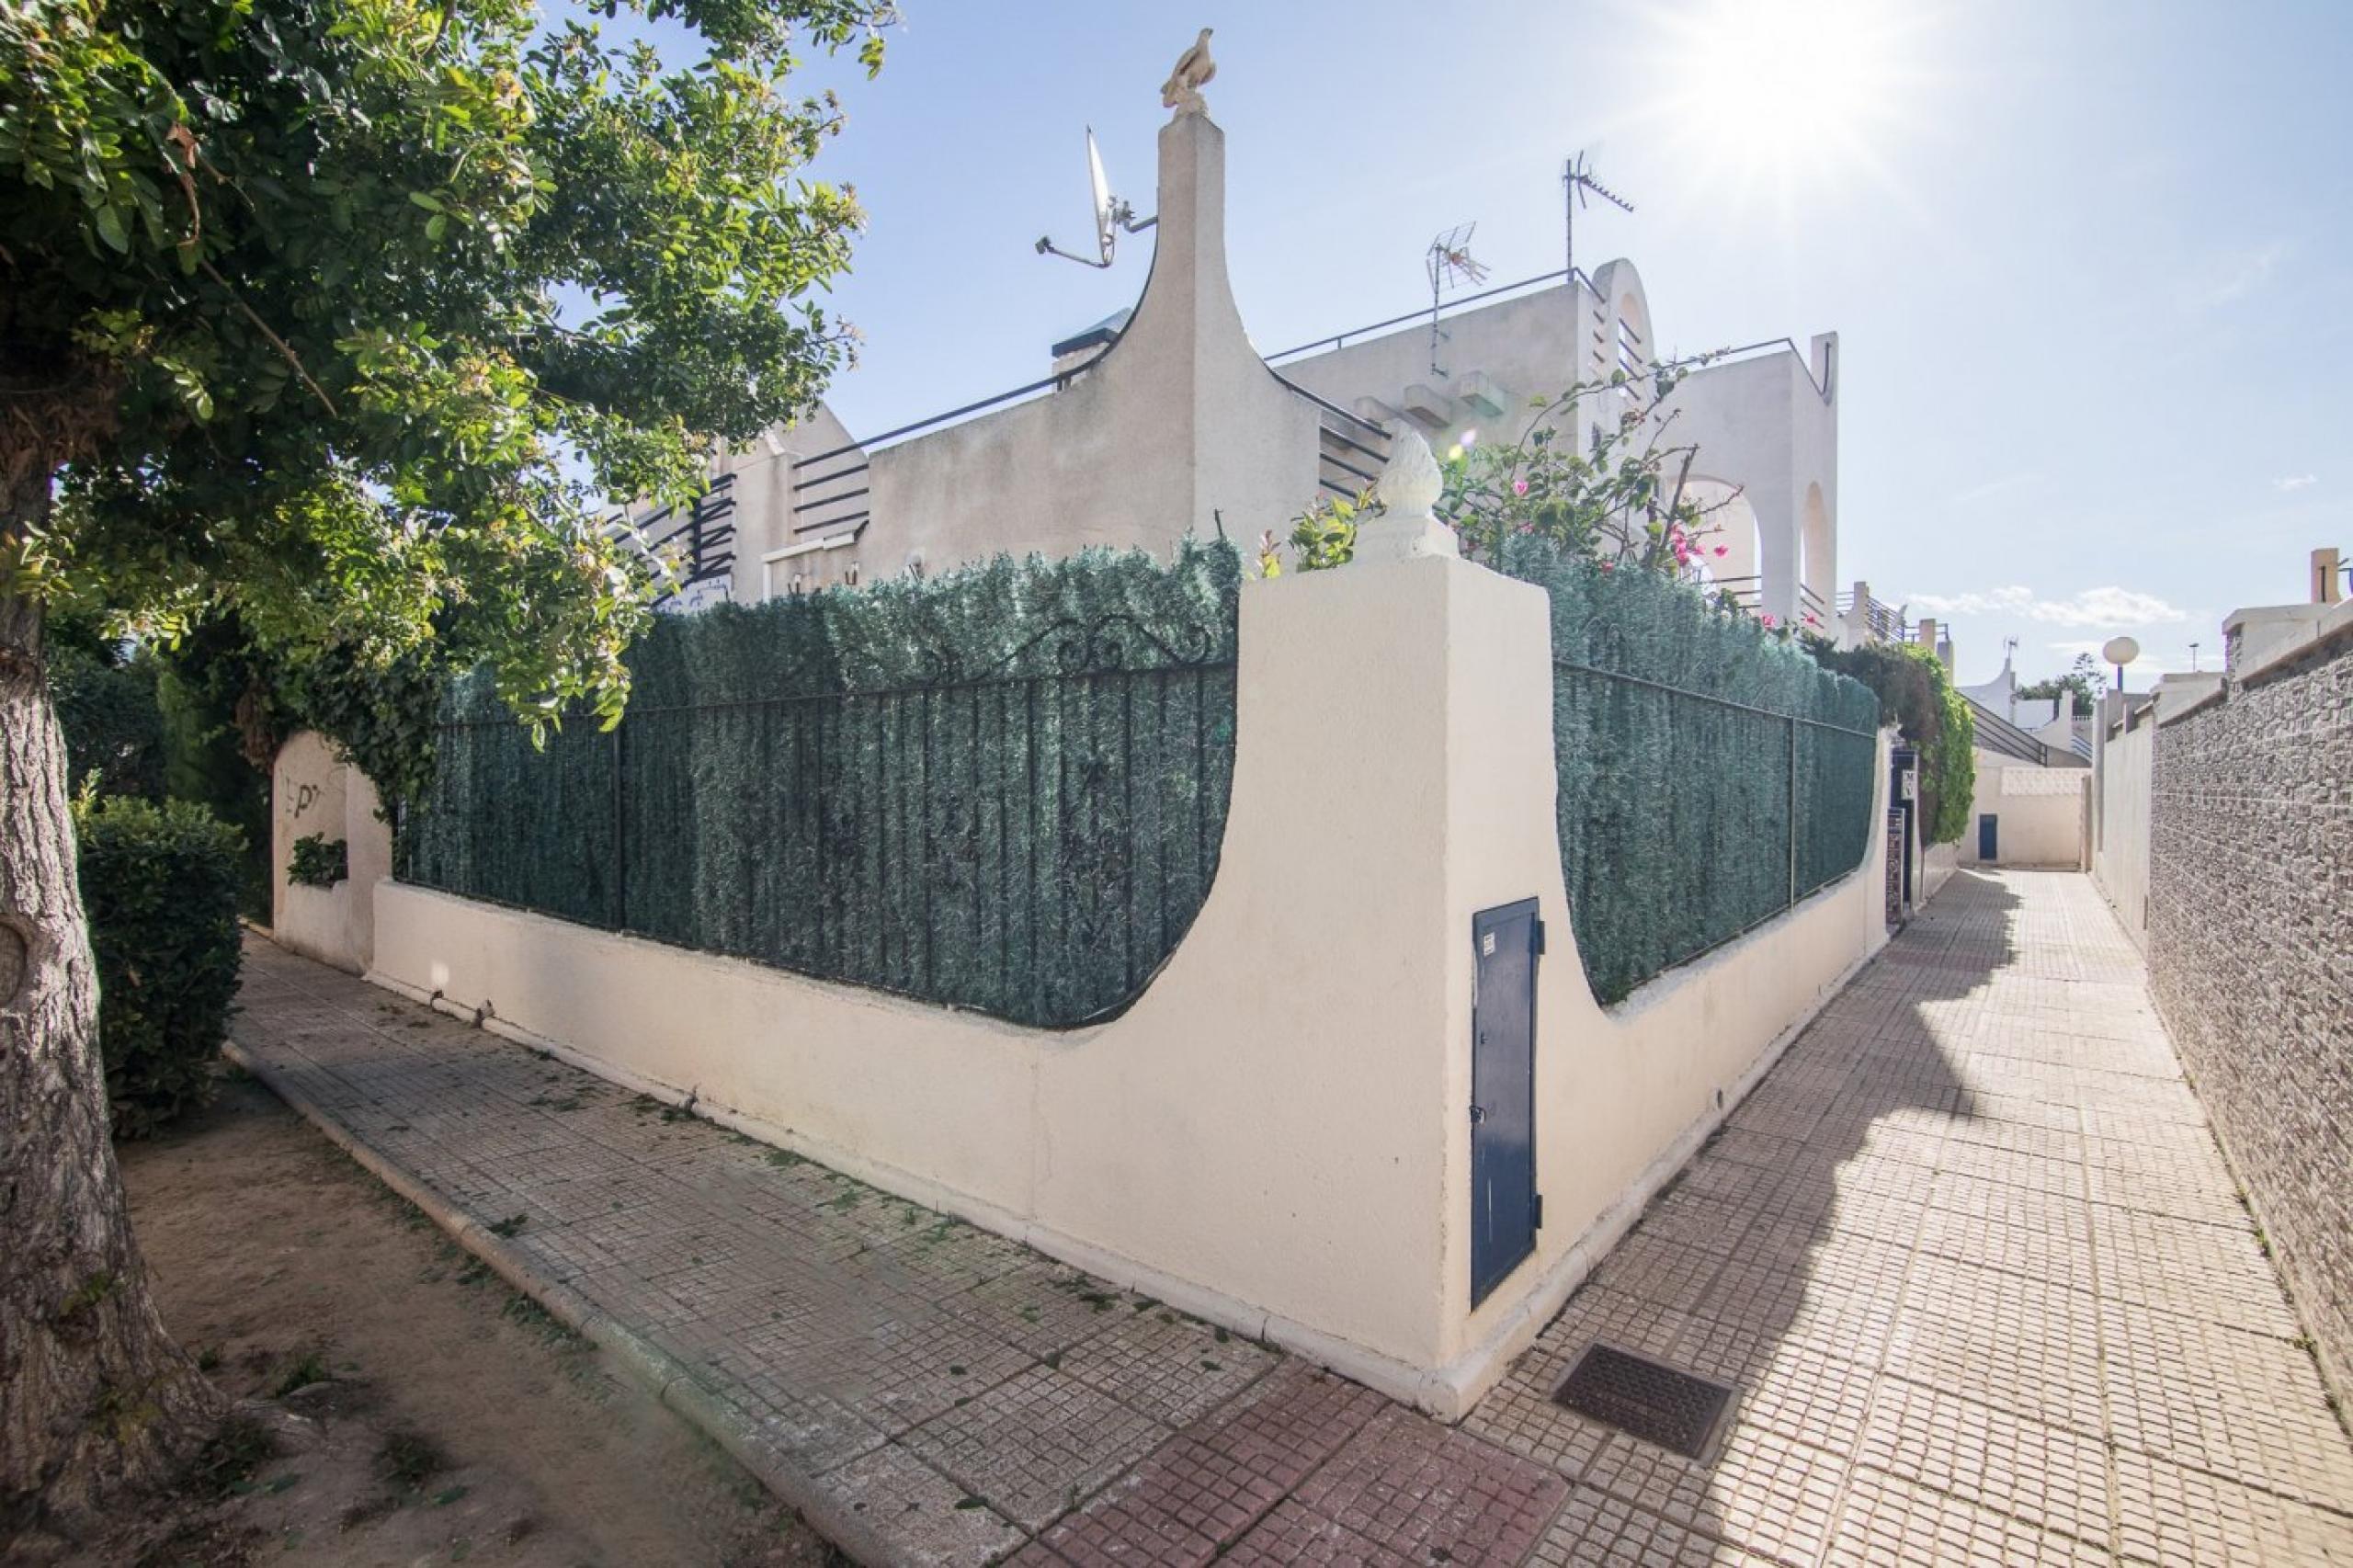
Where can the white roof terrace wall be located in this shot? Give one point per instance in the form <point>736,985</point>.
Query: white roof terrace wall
<point>1179,422</point>
<point>1766,423</point>
<point>766,473</point>
<point>1769,423</point>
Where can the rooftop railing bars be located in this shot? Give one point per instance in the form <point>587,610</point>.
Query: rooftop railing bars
<point>695,548</point>
<point>1883,622</point>
<point>1996,733</point>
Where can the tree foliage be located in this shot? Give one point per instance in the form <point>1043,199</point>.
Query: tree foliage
<point>343,317</point>
<point>1915,690</point>
<point>2081,682</point>
<point>345,313</point>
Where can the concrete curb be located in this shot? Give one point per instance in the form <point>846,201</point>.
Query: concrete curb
<point>662,1374</point>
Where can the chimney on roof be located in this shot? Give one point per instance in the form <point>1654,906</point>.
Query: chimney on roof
<point>2329,579</point>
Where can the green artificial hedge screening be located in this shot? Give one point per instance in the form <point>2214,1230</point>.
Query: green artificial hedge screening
<point>160,884</point>
<point>1004,789</point>
<point>1711,773</point>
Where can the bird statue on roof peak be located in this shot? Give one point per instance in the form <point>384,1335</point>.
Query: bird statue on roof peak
<point>1192,71</point>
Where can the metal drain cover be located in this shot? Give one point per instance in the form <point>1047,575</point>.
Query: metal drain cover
<point>1649,1399</point>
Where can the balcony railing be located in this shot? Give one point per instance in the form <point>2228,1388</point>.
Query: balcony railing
<point>1881,622</point>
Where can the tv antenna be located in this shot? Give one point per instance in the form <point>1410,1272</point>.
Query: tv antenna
<point>1450,265</point>
<point>1576,179</point>
<point>1113,216</point>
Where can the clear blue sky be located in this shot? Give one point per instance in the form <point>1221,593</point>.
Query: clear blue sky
<point>2092,265</point>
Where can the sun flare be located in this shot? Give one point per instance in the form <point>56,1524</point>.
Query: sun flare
<point>1787,91</point>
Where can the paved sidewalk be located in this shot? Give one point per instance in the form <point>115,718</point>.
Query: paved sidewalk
<point>1968,1256</point>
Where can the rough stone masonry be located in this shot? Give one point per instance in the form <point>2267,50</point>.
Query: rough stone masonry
<point>2250,884</point>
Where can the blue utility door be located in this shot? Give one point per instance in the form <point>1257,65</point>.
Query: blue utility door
<point>1988,838</point>
<point>1504,1209</point>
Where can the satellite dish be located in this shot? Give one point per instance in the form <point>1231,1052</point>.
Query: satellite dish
<point>2120,651</point>
<point>1112,215</point>
<point>1105,234</point>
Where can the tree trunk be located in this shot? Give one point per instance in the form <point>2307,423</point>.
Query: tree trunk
<point>97,1402</point>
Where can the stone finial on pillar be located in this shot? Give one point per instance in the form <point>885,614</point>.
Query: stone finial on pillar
<point>1408,489</point>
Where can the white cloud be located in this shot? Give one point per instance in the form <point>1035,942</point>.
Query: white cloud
<point>2239,274</point>
<point>2107,606</point>
<point>1993,487</point>
<point>2289,484</point>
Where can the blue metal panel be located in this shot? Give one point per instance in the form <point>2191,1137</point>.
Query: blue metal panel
<point>1988,837</point>
<point>1504,1209</point>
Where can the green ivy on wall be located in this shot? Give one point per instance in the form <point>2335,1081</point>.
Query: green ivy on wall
<point>1917,694</point>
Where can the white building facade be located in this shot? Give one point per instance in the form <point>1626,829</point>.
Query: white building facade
<point>1165,421</point>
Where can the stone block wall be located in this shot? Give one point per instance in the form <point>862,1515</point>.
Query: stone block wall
<point>2250,908</point>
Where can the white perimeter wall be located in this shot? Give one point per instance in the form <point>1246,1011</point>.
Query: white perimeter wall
<point>1276,1134</point>
<point>312,793</point>
<point>2044,814</point>
<point>2121,853</point>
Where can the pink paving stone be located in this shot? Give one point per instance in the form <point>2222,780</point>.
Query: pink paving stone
<point>1431,1494</point>
<point>1222,1476</point>
<point>1296,1534</point>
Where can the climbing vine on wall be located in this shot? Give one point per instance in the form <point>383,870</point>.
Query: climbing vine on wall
<point>1916,692</point>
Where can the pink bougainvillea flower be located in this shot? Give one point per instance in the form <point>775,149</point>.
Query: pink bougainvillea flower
<point>1607,565</point>
<point>1767,620</point>
<point>1724,550</point>
<point>1520,487</point>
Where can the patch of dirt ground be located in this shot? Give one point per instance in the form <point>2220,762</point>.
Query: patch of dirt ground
<point>446,1418</point>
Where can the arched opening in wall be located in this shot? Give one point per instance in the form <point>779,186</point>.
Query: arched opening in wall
<point>1729,524</point>
<point>1817,563</point>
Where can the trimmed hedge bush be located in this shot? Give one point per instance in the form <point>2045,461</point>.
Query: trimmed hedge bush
<point>160,884</point>
<point>1003,788</point>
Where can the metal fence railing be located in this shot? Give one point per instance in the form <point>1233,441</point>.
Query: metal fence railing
<point>1030,838</point>
<point>1996,733</point>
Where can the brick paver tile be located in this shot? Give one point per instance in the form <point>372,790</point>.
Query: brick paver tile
<point>1657,1270</point>
<point>1969,1255</point>
<point>1595,1527</point>
<point>1419,1489</point>
<point>1171,1368</point>
<point>899,1371</point>
<point>1759,1490</point>
<point>932,1521</point>
<point>1221,1476</point>
<point>1296,1534</point>
<point>1887,1521</point>
<point>2008,1341</point>
<point>1037,1445</point>
<point>2049,1242</point>
<point>2245,1405</point>
<point>2181,1265</point>
<point>2169,1514</point>
<point>2050,1475</point>
<point>1042,1307</point>
<point>1809,1396</point>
